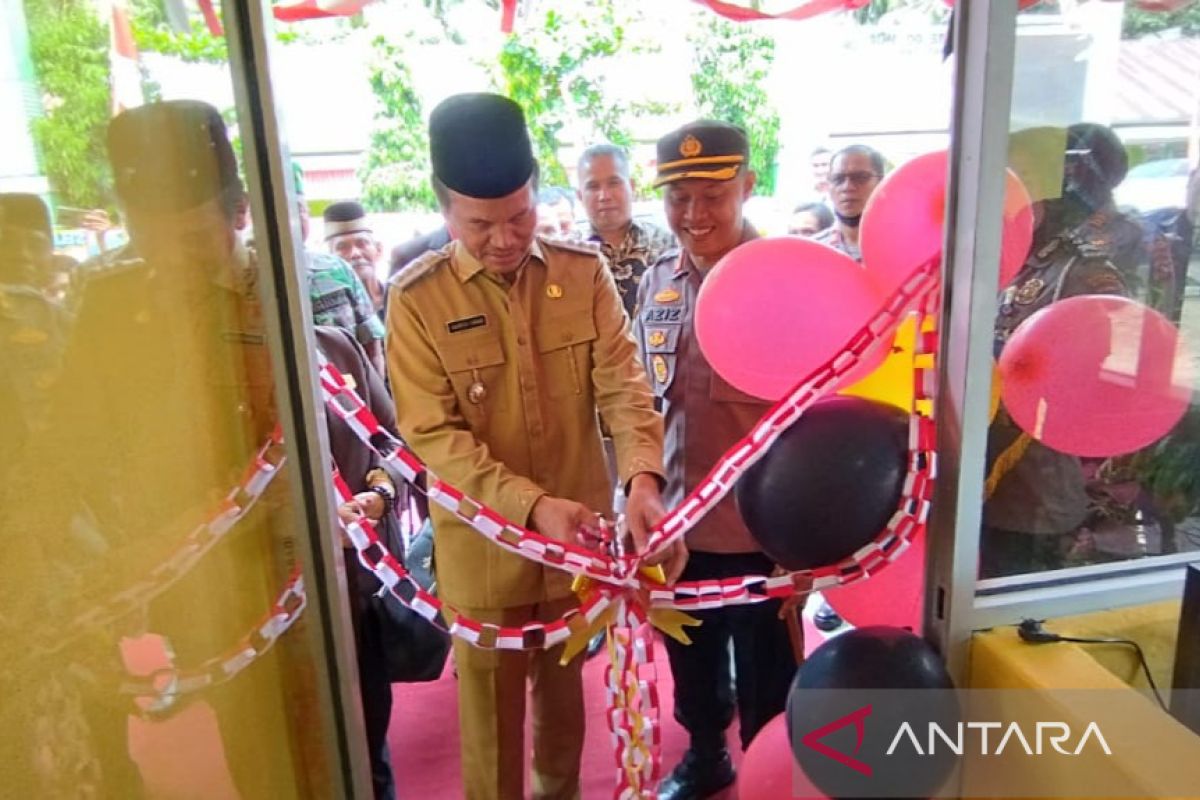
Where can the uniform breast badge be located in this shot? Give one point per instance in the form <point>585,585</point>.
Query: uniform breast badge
<point>666,296</point>
<point>659,365</point>
<point>1029,291</point>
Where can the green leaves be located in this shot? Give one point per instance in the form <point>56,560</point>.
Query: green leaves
<point>731,65</point>
<point>396,172</point>
<point>555,72</point>
<point>69,49</point>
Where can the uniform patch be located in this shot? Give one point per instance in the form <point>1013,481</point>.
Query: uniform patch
<point>466,323</point>
<point>656,338</point>
<point>659,365</point>
<point>667,295</point>
<point>1029,291</point>
<point>658,314</point>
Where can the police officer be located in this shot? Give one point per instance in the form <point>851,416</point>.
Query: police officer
<point>503,348</point>
<point>1037,495</point>
<point>705,169</point>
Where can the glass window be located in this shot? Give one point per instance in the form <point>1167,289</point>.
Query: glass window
<point>156,636</point>
<point>1094,454</point>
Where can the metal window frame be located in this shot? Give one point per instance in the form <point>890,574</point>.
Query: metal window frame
<point>984,38</point>
<point>289,322</point>
<point>957,603</point>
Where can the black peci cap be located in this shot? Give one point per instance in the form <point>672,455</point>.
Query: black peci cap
<point>171,156</point>
<point>346,216</point>
<point>704,149</point>
<point>479,145</point>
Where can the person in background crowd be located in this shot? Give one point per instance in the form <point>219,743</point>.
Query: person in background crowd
<point>405,253</point>
<point>629,246</point>
<point>33,326</point>
<point>338,296</point>
<point>375,496</point>
<point>704,168</point>
<point>555,212</point>
<point>350,237</point>
<point>854,172</point>
<point>809,219</point>
<point>512,345</point>
<point>818,166</point>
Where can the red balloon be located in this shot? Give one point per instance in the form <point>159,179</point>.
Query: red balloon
<point>903,221</point>
<point>893,596</point>
<point>1096,376</point>
<point>769,770</point>
<point>773,310</point>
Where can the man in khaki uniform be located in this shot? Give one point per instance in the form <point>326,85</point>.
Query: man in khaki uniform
<point>704,168</point>
<point>502,348</point>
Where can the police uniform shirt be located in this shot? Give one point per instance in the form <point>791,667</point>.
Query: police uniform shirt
<point>1044,492</point>
<point>497,388</point>
<point>704,415</point>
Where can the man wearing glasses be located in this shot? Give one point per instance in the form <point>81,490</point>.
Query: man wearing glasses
<point>854,172</point>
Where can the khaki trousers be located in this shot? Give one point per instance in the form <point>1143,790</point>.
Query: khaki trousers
<point>491,712</point>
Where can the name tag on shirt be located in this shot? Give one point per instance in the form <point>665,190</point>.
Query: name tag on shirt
<point>466,323</point>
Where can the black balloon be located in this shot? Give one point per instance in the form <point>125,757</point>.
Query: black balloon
<point>829,484</point>
<point>879,678</point>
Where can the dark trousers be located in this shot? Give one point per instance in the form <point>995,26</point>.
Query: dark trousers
<point>376,691</point>
<point>705,692</point>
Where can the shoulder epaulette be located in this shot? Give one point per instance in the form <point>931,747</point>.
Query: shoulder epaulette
<point>581,248</point>
<point>671,254</point>
<point>420,267</point>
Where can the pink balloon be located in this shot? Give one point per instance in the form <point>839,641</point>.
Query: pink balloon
<point>1096,376</point>
<point>902,223</point>
<point>773,310</point>
<point>769,770</point>
<point>894,596</point>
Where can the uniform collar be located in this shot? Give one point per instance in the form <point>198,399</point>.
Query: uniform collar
<point>683,264</point>
<point>466,266</point>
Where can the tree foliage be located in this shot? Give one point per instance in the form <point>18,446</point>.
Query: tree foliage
<point>396,172</point>
<point>731,63</point>
<point>554,70</point>
<point>1138,23</point>
<point>69,48</point>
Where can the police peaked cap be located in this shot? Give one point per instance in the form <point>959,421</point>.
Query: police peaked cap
<point>479,145</point>
<point>704,149</point>
<point>171,156</point>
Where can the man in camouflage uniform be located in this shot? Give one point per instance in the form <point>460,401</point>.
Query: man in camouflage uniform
<point>628,246</point>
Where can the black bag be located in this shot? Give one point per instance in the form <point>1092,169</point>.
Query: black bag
<point>414,649</point>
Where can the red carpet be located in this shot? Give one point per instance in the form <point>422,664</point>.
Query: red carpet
<point>424,733</point>
<point>182,757</point>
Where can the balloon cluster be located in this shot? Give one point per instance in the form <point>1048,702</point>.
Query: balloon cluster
<point>1091,375</point>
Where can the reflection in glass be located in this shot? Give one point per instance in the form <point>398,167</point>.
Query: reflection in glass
<point>145,501</point>
<point>1112,211</point>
